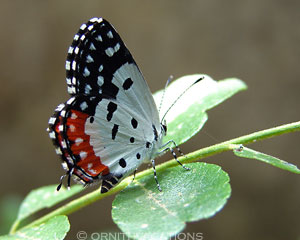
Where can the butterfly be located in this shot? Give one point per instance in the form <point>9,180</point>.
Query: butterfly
<point>110,125</point>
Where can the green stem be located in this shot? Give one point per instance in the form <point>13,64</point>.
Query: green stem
<point>191,157</point>
<point>227,145</point>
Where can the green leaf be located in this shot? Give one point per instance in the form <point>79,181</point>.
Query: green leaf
<point>9,205</point>
<point>44,197</point>
<point>188,115</point>
<point>56,228</point>
<point>142,212</point>
<point>276,162</point>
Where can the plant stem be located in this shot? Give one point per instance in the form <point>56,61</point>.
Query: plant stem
<point>227,145</point>
<point>191,157</point>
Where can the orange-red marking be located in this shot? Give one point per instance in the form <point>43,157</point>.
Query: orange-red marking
<point>89,163</point>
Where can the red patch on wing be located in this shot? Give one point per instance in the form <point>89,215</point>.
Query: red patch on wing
<point>80,146</point>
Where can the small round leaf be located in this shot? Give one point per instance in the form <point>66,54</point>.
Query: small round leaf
<point>142,212</point>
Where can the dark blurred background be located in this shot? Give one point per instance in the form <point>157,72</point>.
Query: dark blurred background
<point>257,41</point>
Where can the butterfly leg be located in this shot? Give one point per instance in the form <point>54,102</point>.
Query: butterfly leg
<point>175,157</point>
<point>60,182</point>
<point>173,152</point>
<point>69,181</point>
<point>69,174</point>
<point>175,145</point>
<point>134,173</point>
<point>155,177</point>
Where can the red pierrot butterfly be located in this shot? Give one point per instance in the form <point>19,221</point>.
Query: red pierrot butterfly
<point>110,125</point>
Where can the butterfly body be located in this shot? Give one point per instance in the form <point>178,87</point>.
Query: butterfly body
<point>110,125</point>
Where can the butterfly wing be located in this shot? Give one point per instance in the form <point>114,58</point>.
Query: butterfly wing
<point>98,62</point>
<point>103,132</point>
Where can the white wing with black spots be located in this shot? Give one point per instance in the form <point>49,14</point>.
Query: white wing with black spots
<point>120,136</point>
<point>111,123</point>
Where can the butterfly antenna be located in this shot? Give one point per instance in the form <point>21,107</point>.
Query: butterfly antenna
<point>198,80</point>
<point>164,92</point>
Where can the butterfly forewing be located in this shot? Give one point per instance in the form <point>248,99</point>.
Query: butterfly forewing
<point>95,54</point>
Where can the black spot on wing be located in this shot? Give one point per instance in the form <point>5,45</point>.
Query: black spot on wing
<point>138,156</point>
<point>134,123</point>
<point>127,84</point>
<point>122,163</point>
<point>114,131</point>
<point>131,139</point>
<point>111,108</point>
